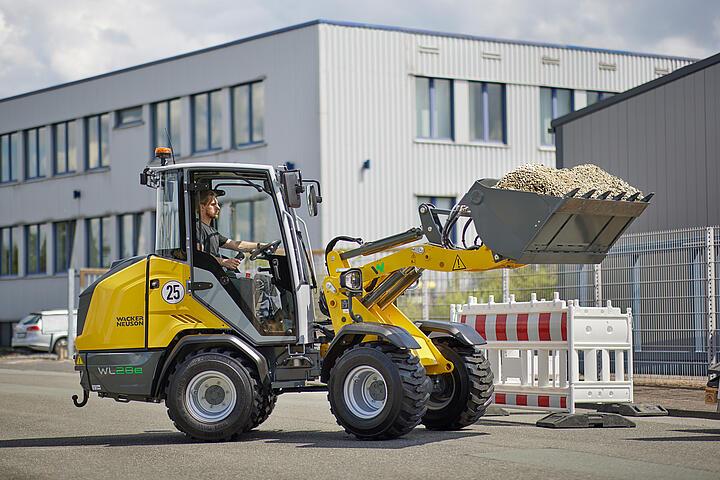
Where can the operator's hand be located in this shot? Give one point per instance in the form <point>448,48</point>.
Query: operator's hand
<point>230,263</point>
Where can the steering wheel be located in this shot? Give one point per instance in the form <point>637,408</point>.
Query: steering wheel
<point>266,249</point>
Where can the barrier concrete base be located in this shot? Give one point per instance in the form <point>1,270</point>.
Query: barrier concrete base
<point>634,410</point>
<point>584,420</point>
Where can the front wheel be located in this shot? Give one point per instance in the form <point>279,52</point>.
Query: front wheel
<point>459,398</point>
<point>377,392</point>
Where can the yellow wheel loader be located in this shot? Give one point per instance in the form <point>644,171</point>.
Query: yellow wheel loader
<point>218,346</point>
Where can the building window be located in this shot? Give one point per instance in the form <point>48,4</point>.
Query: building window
<point>64,148</point>
<point>249,113</point>
<point>9,248</point>
<point>36,152</point>
<point>129,234</point>
<point>128,117</point>
<point>207,119</point>
<point>554,103</point>
<point>98,242</point>
<point>9,157</point>
<point>97,134</point>
<point>487,112</point>
<point>64,238</point>
<point>444,203</point>
<point>35,249</point>
<point>166,121</point>
<point>595,96</point>
<point>434,108</point>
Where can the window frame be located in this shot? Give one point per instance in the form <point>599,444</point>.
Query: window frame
<point>250,114</point>
<point>601,95</point>
<point>167,106</point>
<point>38,158</point>
<point>135,234</point>
<point>486,113</point>
<point>70,226</point>
<point>119,123</point>
<point>12,160</point>
<point>41,266</point>
<point>13,262</point>
<point>208,122</point>
<point>101,235</point>
<point>53,134</point>
<point>553,110</point>
<point>103,161</point>
<point>432,106</point>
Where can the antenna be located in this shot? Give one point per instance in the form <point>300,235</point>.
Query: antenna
<point>172,150</point>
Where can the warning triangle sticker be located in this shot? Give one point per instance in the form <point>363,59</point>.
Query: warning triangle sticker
<point>458,264</point>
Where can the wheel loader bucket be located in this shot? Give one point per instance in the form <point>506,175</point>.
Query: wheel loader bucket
<point>531,228</point>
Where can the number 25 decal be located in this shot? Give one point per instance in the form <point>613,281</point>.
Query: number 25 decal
<point>173,292</point>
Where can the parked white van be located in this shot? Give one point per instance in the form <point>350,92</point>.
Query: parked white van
<point>46,331</point>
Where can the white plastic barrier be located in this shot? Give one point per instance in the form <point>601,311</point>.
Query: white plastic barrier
<point>535,348</point>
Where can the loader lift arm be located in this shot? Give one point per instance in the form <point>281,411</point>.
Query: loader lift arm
<point>516,228</point>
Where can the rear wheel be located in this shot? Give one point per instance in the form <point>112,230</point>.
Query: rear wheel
<point>377,391</point>
<point>213,396</point>
<point>459,398</point>
<point>60,345</point>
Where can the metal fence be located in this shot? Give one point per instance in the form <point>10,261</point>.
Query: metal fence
<point>667,278</point>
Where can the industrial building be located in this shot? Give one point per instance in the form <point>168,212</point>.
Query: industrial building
<point>382,116</point>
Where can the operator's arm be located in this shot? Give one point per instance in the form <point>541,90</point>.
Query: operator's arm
<point>240,245</point>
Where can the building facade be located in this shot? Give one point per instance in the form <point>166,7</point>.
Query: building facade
<point>384,117</point>
<point>661,136</point>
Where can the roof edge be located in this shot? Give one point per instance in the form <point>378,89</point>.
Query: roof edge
<point>338,23</point>
<point>420,31</point>
<point>165,60</point>
<point>639,90</point>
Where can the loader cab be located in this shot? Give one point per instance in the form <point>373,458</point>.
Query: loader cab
<point>267,298</point>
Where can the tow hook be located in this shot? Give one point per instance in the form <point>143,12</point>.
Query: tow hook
<point>84,401</point>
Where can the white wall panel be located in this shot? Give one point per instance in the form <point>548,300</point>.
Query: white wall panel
<point>368,98</point>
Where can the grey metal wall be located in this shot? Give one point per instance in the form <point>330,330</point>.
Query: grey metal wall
<point>666,140</point>
<point>288,64</point>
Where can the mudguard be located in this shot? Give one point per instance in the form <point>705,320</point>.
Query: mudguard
<point>352,334</point>
<point>219,340</point>
<point>461,332</point>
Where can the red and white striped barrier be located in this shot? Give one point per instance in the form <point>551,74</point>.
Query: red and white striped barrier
<point>535,349</point>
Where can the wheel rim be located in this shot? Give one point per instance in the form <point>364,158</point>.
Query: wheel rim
<point>365,392</point>
<point>210,396</point>
<point>443,391</point>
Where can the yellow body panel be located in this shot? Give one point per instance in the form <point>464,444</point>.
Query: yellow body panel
<point>116,316</point>
<point>167,320</point>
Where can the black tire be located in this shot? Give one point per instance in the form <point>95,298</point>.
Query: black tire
<point>266,400</point>
<point>187,412</point>
<point>60,343</point>
<point>406,390</point>
<point>461,397</point>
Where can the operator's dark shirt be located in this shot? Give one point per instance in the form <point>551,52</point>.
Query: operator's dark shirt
<point>210,239</point>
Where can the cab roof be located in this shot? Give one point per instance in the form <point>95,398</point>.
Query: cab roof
<point>212,165</point>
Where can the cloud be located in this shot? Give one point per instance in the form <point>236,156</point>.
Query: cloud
<point>44,43</point>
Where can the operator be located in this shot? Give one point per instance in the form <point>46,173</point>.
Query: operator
<point>209,239</point>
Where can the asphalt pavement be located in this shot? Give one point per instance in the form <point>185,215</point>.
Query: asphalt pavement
<point>42,435</point>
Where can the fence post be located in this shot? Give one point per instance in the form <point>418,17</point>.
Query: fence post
<point>597,284</point>
<point>425,300</point>
<point>506,284</point>
<point>710,292</point>
<point>71,308</point>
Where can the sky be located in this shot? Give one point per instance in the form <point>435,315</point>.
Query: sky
<point>48,42</point>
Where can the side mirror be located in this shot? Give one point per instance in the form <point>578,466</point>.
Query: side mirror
<point>292,187</point>
<point>312,200</point>
<point>351,280</point>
